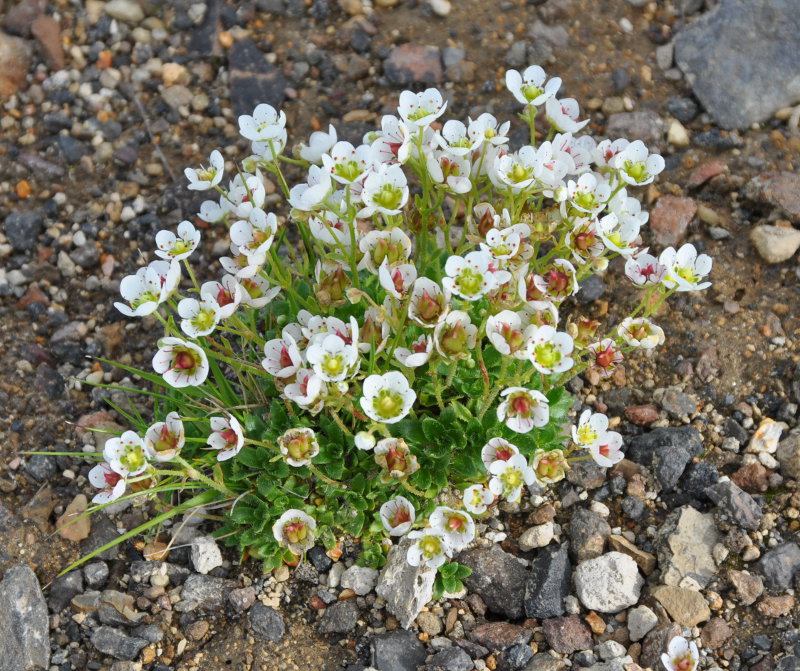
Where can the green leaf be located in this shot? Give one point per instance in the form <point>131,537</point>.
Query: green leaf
<point>431,428</point>
<point>448,570</point>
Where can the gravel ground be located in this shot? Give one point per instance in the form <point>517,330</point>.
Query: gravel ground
<point>695,533</point>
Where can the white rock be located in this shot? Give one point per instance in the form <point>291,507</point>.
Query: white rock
<point>335,574</point>
<point>766,437</point>
<point>537,537</point>
<point>125,10</point>
<point>405,588</point>
<point>608,583</point>
<point>685,545</point>
<point>640,621</point>
<point>609,650</point>
<point>205,554</point>
<point>677,135</point>
<point>775,244</point>
<point>360,579</point>
<point>440,7</point>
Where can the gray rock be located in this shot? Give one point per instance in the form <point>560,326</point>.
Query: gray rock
<point>590,289</point>
<point>646,126</point>
<point>545,662</point>
<point>144,570</point>
<point>642,448</point>
<point>536,537</point>
<point>397,651</point>
<point>515,657</point>
<point>41,467</point>
<point>608,583</point>
<point>788,455</point>
<point>740,47</point>
<point>587,474</point>
<point>737,504</point>
<point>588,532</point>
<point>266,623</point>
<point>609,650</point>
<point>548,583</point>
<point>516,56</point>
<point>242,599</point>
<point>113,642</point>
<point>684,545</point>
<point>669,463</point>
<point>204,592</point>
<point>413,63</point>
<point>405,588</point>
<point>361,579</point>
<point>498,578</point>
<point>450,659</point>
<point>63,589</point>
<point>24,625</point>
<point>340,618</point>
<point>683,109</point>
<point>22,229</point>
<point>779,565</point>
<point>96,574</point>
<point>253,80</point>
<point>640,621</point>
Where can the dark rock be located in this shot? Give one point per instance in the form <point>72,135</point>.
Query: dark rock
<point>620,79</point>
<point>41,467</point>
<point>676,403</point>
<point>149,632</point>
<point>22,229</point>
<point>103,532</point>
<point>591,289</point>
<point>515,657</point>
<point>498,578</point>
<point>63,589</point>
<point>266,623</point>
<point>450,659</point>
<point>205,592</point>
<point>242,599</point>
<point>642,448</point>
<point>739,47</point>
<point>397,651</point>
<point>321,561</point>
<point>113,642</point>
<point>95,574</point>
<point>360,40</point>
<point>779,565</point>
<point>413,63</point>
<point>548,583</point>
<point>86,256</point>
<point>474,650</point>
<point>72,150</point>
<point>499,635</point>
<point>24,625</point>
<point>587,474</point>
<point>340,618</point>
<point>252,79</point>
<point>733,429</point>
<point>567,634</point>
<point>697,478</point>
<point>737,504</point>
<point>20,17</point>
<point>49,381</point>
<point>669,462</point>
<point>588,532</point>
<point>716,140</point>
<point>517,54</point>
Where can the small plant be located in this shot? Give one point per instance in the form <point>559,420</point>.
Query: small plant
<point>389,359</point>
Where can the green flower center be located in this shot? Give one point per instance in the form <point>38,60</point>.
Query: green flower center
<point>204,320</point>
<point>419,113</point>
<point>431,546</point>
<point>512,478</point>
<point>146,297</point>
<point>586,434</point>
<point>387,404</point>
<point>519,173</point>
<point>206,174</point>
<point>687,274</point>
<point>333,364</point>
<point>349,170</point>
<point>388,197</point>
<point>133,458</point>
<point>547,354</point>
<point>531,92</point>
<point>181,247</point>
<point>636,171</point>
<point>586,200</point>
<point>469,282</point>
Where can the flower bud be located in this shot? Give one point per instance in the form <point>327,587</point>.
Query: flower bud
<point>550,466</point>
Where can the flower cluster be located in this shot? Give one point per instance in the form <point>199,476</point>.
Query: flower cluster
<point>387,356</point>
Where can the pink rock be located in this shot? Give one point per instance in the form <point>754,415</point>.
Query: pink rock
<point>15,57</point>
<point>48,37</point>
<point>705,172</point>
<point>670,218</point>
<point>414,63</point>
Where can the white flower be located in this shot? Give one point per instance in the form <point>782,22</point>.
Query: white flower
<point>421,109</point>
<point>348,164</point>
<point>393,246</point>
<point>455,139</point>
<point>641,332</point>
<point>644,270</point>
<point>550,168</point>
<point>429,305</point>
<point>282,357</point>
<point>331,229</point>
<point>529,87</point>
<point>497,449</point>
<point>164,440</point>
<point>181,363</point>
<point>395,143</point>
<point>458,527</point>
<point>364,441</point>
<point>227,436</point>
<point>608,451</point>
<point>504,244</point>
<point>110,483</point>
<point>628,209</point>
<point>177,247</point>
<point>385,191</point>
<point>395,459</point>
<point>332,359</point>
<point>254,236</point>
<point>580,149</point>
<point>617,236</point>
<point>451,170</point>
<point>310,195</point>
<point>265,124</point>
<point>470,276</point>
<point>419,353</point>
<point>486,129</point>
<point>227,292</point>
<point>517,171</point>
<point>198,318</point>
<point>523,409</point>
<point>563,115</point>
<point>397,279</point>
<point>509,477</point>
<point>296,530</point>
<point>269,150</point>
<point>510,333</point>
<point>299,446</point>
<point>398,516</point>
<point>213,211</point>
<point>477,499</point>
<point>550,350</point>
<point>591,428</point>
<point>319,143</point>
<point>257,292</point>
<point>431,548</point>
<point>455,336</point>
<point>636,165</point>
<point>584,241</point>
<point>247,194</point>
<point>681,655</point>
<point>206,178</point>
<point>148,288</point>
<point>387,398</point>
<point>550,466</point>
<point>375,331</point>
<point>685,269</point>
<point>125,454</point>
<point>306,391</point>
<point>588,194</point>
<point>607,150</point>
